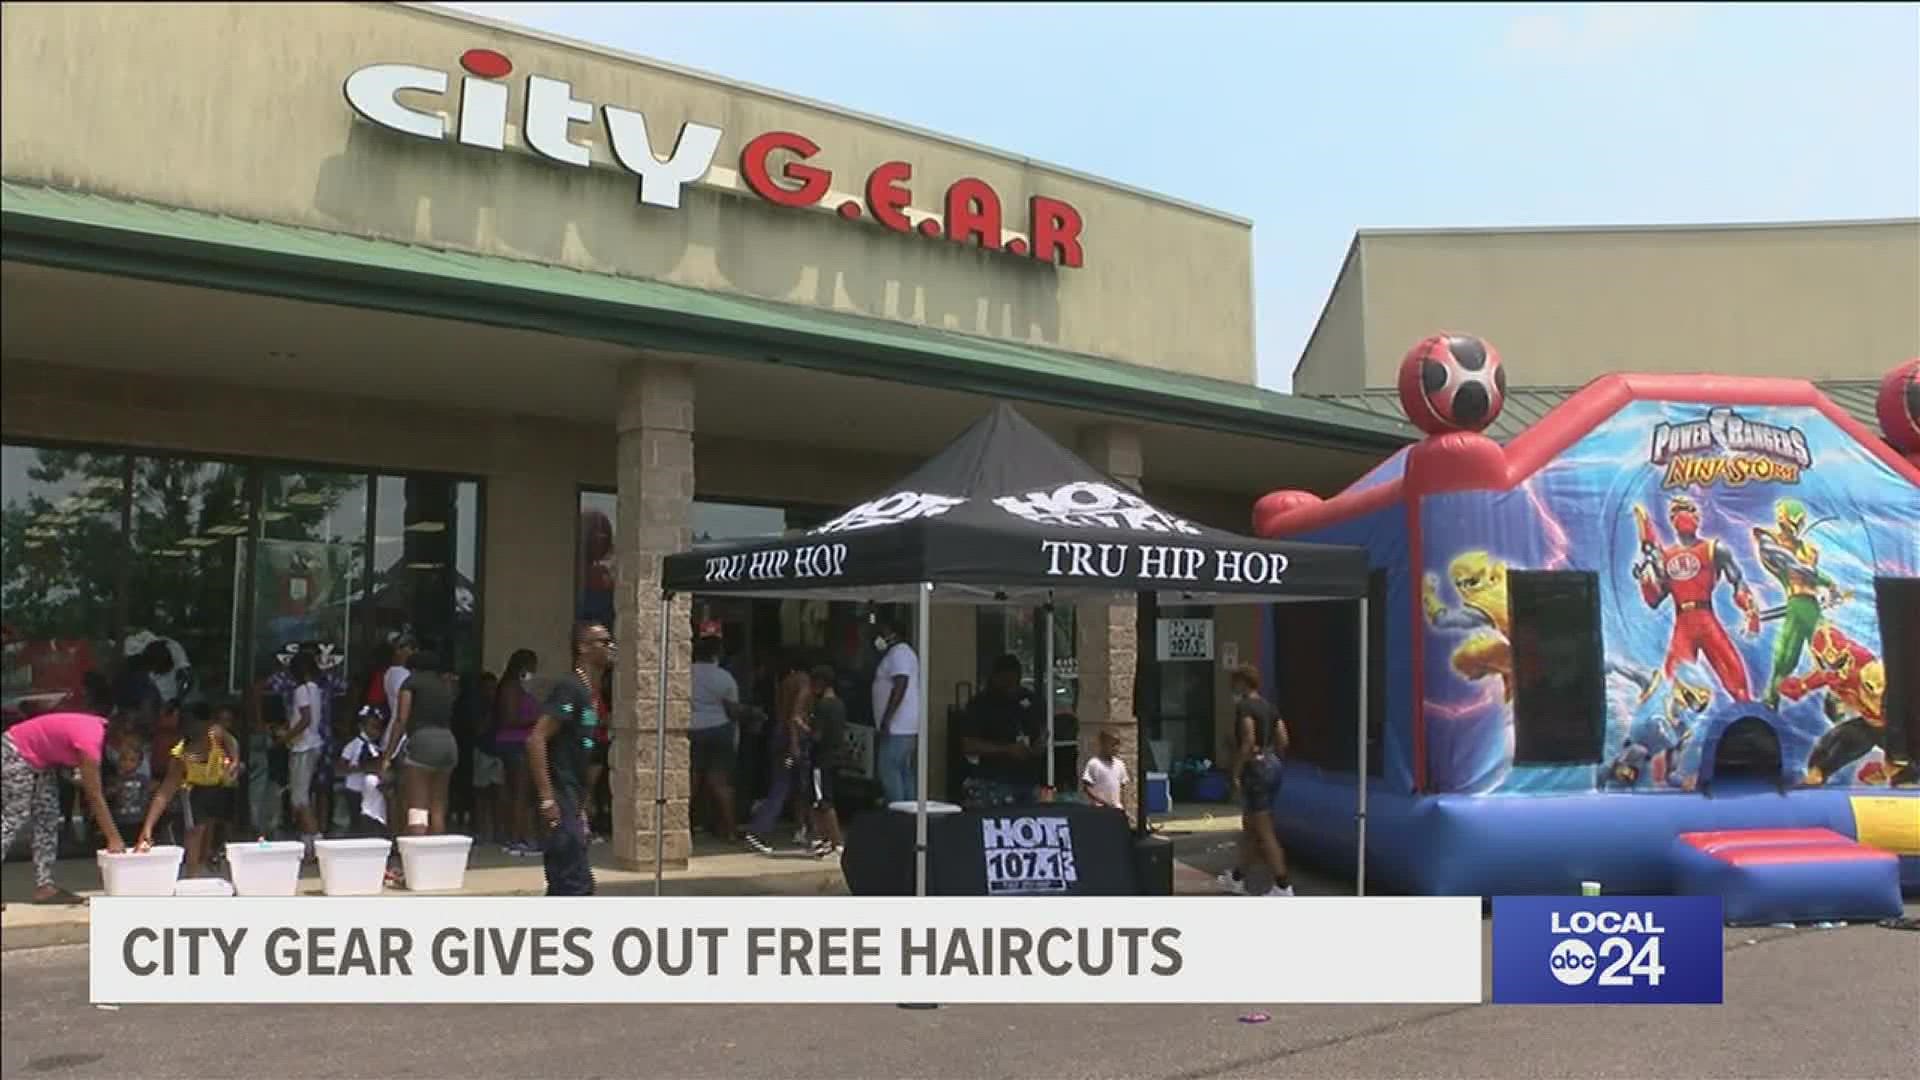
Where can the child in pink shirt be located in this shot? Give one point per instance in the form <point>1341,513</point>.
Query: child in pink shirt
<point>31,754</point>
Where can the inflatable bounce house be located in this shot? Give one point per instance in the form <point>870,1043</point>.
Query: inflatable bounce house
<point>1666,639</point>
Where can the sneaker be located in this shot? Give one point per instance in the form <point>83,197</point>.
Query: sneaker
<point>1231,885</point>
<point>1278,891</point>
<point>757,844</point>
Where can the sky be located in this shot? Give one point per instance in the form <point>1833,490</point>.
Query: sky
<point>1317,120</point>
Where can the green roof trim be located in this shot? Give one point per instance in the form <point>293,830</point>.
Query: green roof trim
<point>1527,404</point>
<point>95,233</point>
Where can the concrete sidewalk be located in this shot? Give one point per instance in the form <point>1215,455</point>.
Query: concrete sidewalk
<point>1201,835</point>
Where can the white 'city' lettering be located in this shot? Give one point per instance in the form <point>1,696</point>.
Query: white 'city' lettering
<point>660,181</point>
<point>372,91</point>
<point>483,113</point>
<point>550,111</point>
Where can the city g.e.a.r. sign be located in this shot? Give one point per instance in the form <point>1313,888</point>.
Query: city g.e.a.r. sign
<point>773,165</point>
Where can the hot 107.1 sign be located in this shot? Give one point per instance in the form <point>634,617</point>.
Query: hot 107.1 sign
<point>777,166</point>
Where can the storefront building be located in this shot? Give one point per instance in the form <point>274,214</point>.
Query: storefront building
<point>328,322</point>
<point>1837,302</point>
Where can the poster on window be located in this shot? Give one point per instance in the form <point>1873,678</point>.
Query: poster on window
<point>302,593</point>
<point>1185,639</point>
<point>1028,856</point>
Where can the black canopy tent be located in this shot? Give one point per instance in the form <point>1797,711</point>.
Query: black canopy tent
<point>1007,516</point>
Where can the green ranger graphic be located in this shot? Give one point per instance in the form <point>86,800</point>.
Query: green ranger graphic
<point>1795,564</point>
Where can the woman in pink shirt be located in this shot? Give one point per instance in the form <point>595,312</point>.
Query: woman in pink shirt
<point>31,754</point>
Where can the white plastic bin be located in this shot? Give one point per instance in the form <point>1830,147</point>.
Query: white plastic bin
<point>204,886</point>
<point>353,867</point>
<point>153,872</point>
<point>435,863</point>
<point>934,809</point>
<point>269,869</point>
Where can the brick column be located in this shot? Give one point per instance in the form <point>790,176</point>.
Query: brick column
<point>1108,639</point>
<point>655,481</point>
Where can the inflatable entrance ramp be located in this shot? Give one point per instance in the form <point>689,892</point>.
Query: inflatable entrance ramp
<point>1788,875</point>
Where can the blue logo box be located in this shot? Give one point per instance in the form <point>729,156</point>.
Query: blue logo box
<point>1607,950</point>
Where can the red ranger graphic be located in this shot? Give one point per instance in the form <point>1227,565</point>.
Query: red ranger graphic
<point>1688,572</point>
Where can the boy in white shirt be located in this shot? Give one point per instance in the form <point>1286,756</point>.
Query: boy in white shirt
<point>1105,776</point>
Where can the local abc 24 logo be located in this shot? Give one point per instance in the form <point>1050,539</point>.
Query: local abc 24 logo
<point>1627,952</point>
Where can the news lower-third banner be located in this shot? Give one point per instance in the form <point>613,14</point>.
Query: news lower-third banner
<point>758,950</point>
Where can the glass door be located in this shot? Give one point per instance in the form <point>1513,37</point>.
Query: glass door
<point>310,574</point>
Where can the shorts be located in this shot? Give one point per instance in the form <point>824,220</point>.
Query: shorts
<point>713,749</point>
<point>1259,782</point>
<point>432,748</point>
<point>823,777</point>
<point>512,754</point>
<point>300,766</point>
<point>488,771</point>
<point>210,804</point>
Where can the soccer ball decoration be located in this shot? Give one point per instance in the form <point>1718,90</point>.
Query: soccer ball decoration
<point>1452,382</point>
<point>1899,407</point>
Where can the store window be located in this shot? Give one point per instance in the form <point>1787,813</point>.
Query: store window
<point>756,632</point>
<point>310,570</point>
<point>425,576</point>
<point>188,521</point>
<point>226,565</point>
<point>595,571</point>
<point>64,573</point>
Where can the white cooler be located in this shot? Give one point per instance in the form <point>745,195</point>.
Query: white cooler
<point>266,869</point>
<point>153,872</point>
<point>435,863</point>
<point>204,886</point>
<point>353,867</point>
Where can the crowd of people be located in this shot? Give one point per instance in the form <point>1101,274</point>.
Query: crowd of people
<point>520,761</point>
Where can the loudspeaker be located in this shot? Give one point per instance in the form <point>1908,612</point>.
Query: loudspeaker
<point>1153,865</point>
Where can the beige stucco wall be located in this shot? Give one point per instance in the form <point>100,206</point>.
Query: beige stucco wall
<point>239,109</point>
<point>1330,364</point>
<point>1564,306</point>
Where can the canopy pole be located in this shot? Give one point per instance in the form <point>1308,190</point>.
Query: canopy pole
<point>1046,686</point>
<point>922,625</point>
<point>1360,805</point>
<point>660,747</point>
<point>1146,696</point>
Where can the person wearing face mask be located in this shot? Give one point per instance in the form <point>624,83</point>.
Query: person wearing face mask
<point>896,712</point>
